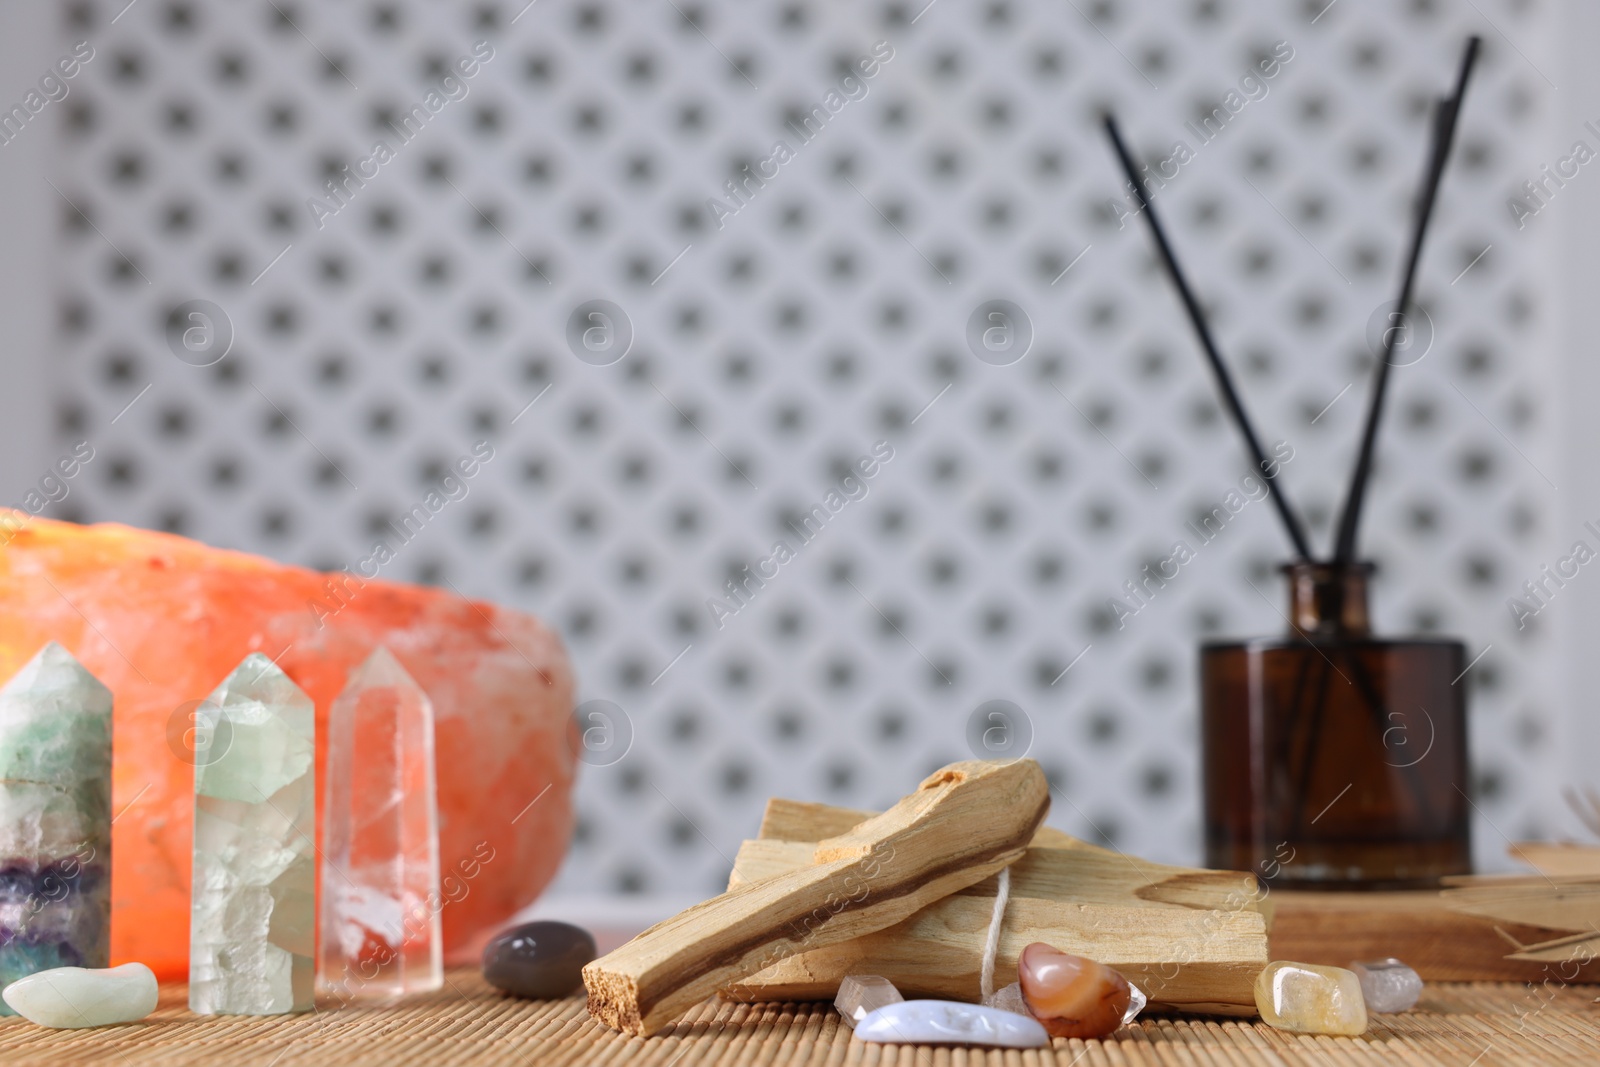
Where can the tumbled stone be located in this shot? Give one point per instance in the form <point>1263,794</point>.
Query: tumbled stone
<point>1009,999</point>
<point>946,1022</point>
<point>862,994</point>
<point>1309,999</point>
<point>1387,985</point>
<point>541,960</point>
<point>1072,996</point>
<point>68,998</point>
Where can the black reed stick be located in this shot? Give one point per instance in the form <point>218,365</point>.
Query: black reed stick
<point>1268,470</point>
<point>1444,132</point>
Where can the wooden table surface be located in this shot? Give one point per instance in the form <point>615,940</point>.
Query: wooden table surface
<point>1482,1025</point>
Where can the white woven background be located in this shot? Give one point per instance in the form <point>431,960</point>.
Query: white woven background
<point>827,315</point>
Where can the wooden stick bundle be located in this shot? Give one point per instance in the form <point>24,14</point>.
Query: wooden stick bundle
<point>962,825</point>
<point>1192,940</point>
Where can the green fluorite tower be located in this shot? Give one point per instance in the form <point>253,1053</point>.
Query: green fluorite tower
<point>55,818</point>
<point>253,900</point>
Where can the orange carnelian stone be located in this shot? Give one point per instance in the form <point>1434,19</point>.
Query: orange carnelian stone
<point>161,620</point>
<point>1071,996</point>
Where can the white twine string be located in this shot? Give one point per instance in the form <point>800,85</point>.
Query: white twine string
<point>991,946</point>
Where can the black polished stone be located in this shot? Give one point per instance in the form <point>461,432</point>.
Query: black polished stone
<point>542,960</point>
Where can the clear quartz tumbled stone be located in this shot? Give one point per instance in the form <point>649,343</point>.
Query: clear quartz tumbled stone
<point>862,994</point>
<point>1387,985</point>
<point>1305,998</point>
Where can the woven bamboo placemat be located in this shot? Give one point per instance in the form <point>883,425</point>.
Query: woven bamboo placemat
<point>1484,1025</point>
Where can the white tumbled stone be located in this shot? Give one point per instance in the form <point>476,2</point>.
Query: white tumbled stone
<point>68,998</point>
<point>946,1022</point>
<point>1388,985</point>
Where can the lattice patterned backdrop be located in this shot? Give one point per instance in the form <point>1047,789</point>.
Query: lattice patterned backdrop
<point>775,337</point>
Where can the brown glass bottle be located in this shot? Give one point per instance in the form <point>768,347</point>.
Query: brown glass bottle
<point>1333,759</point>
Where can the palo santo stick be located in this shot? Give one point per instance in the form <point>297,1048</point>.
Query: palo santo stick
<point>1555,858</point>
<point>963,824</point>
<point>801,820</point>
<point>1475,938</point>
<point>1569,902</point>
<point>1192,939</point>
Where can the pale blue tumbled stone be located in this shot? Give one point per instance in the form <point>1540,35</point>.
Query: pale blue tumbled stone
<point>947,1022</point>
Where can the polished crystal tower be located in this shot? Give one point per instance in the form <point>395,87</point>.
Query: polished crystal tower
<point>380,876</point>
<point>55,818</point>
<point>253,906</point>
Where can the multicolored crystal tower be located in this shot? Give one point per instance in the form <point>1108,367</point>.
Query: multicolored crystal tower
<point>55,818</point>
<point>252,927</point>
<point>380,875</point>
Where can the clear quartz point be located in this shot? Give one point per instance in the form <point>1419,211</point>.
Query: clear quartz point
<point>252,924</point>
<point>862,994</point>
<point>1008,999</point>
<point>1136,1002</point>
<point>1388,985</point>
<point>380,935</point>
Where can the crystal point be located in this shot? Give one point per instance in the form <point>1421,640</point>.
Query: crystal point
<point>70,998</point>
<point>55,817</point>
<point>252,912</point>
<point>381,933</point>
<point>1008,998</point>
<point>1072,996</point>
<point>1136,1004</point>
<point>1387,985</point>
<point>1309,999</point>
<point>862,994</point>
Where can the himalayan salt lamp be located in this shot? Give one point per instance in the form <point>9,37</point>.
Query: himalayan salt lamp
<point>162,620</point>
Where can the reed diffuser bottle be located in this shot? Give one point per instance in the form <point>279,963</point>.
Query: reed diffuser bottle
<point>1332,758</point>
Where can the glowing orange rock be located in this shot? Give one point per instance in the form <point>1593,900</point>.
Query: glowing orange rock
<point>161,620</point>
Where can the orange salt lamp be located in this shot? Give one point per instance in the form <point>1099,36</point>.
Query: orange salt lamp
<point>161,620</point>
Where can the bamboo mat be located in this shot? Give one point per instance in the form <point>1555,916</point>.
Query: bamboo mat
<point>1484,1025</point>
